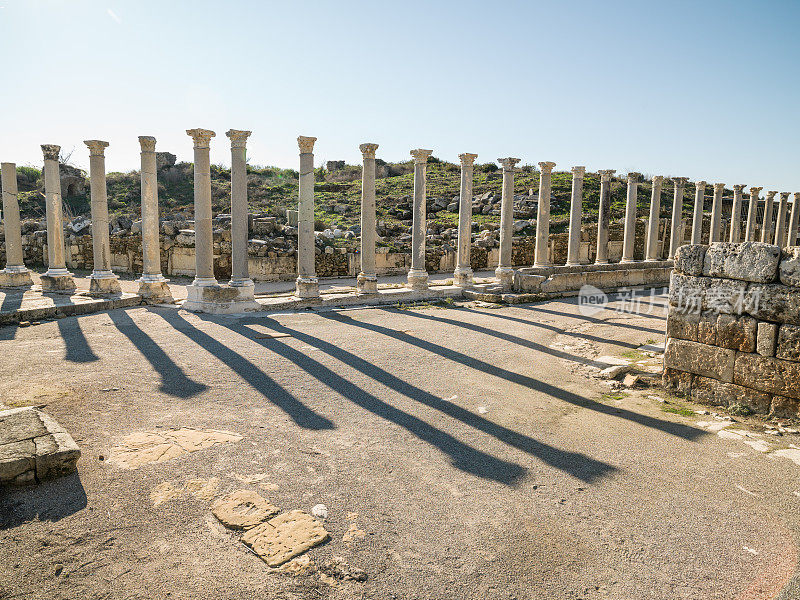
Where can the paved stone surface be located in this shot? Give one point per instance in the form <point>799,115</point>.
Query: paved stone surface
<point>145,447</point>
<point>285,536</point>
<point>31,304</point>
<point>243,509</point>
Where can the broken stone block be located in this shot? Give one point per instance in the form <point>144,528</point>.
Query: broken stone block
<point>748,261</point>
<point>700,359</point>
<point>630,380</point>
<point>767,338</point>
<point>789,268</point>
<point>283,537</point>
<point>774,302</point>
<point>788,347</point>
<point>735,332</point>
<point>689,259</point>
<point>243,509</point>
<point>614,371</point>
<point>767,374</point>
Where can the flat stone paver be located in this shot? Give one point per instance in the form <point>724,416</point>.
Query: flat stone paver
<point>31,304</point>
<point>282,538</point>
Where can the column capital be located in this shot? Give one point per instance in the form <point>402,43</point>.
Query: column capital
<point>147,143</point>
<point>238,137</point>
<point>785,195</point>
<point>633,177</point>
<point>467,159</point>
<point>96,147</point>
<point>679,181</point>
<point>754,191</point>
<point>421,156</point>
<point>657,178</point>
<point>738,187</point>
<point>508,163</point>
<point>50,151</point>
<point>368,150</point>
<point>201,137</point>
<point>797,196</point>
<point>719,187</point>
<point>546,166</point>
<point>578,172</point>
<point>306,144</point>
<point>605,174</point>
<point>701,184</point>
<point>771,194</point>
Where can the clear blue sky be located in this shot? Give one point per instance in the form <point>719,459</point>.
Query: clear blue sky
<point>701,89</point>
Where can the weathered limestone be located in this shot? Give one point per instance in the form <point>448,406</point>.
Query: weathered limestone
<point>56,278</point>
<point>752,210</point>
<point>677,215</point>
<point>716,214</point>
<point>690,259</point>
<point>736,215</point>
<point>651,245</point>
<point>780,220</point>
<point>794,221</point>
<point>749,261</point>
<point>102,281</point>
<point>575,210</point>
<point>462,276</point>
<point>630,218</point>
<point>604,216</point>
<point>240,281</point>
<point>789,268</point>
<point>153,287</point>
<point>307,285</point>
<point>417,275</point>
<point>542,256</point>
<point>504,272</point>
<point>768,229</point>
<point>701,359</point>
<point>697,215</point>
<point>766,338</point>
<point>15,274</point>
<point>367,282</point>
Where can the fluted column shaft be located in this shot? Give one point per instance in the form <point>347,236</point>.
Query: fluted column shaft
<point>367,282</point>
<point>575,210</point>
<point>715,234</point>
<point>768,228</point>
<point>542,255</point>
<point>736,215</point>
<point>794,221</point>
<point>504,271</point>
<point>677,215</point>
<point>752,211</point>
<point>417,275</point>
<point>697,215</point>
<point>780,221</point>
<point>13,233</point>
<point>604,216</point>
<point>307,285</point>
<point>651,245</point>
<point>463,276</point>
<point>629,235</point>
<point>240,272</point>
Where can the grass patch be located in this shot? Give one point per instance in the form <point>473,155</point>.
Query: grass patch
<point>678,410</point>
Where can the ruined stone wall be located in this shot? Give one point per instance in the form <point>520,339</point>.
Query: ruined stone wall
<point>733,329</point>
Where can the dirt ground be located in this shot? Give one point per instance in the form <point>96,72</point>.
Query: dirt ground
<point>465,451</point>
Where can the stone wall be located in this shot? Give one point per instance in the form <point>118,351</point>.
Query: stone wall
<point>733,328</point>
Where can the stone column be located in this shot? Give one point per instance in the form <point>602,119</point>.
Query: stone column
<point>56,278</point>
<point>462,276</point>
<point>102,281</point>
<point>240,281</point>
<point>504,271</point>
<point>752,210</point>
<point>697,216</point>
<point>794,221</point>
<point>715,234</point>
<point>542,255</point>
<point>15,274</point>
<point>575,210</point>
<point>307,285</point>
<point>630,218</point>
<point>153,287</point>
<point>651,245</point>
<point>677,215</point>
<point>736,214</point>
<point>768,230</point>
<point>417,275</point>
<point>604,216</point>
<point>367,282</point>
<point>780,221</point>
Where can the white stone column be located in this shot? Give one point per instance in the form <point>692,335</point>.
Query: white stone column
<point>629,236</point>
<point>542,256</point>
<point>736,214</point>
<point>153,287</point>
<point>56,278</point>
<point>575,212</point>
<point>768,229</point>
<point>794,221</point>
<point>780,221</point>
<point>102,281</point>
<point>651,245</point>
<point>462,276</point>
<point>15,274</point>
<point>752,211</point>
<point>697,215</point>
<point>367,282</point>
<point>715,234</point>
<point>307,285</point>
<point>504,271</point>
<point>677,215</point>
<point>604,216</point>
<point>417,275</point>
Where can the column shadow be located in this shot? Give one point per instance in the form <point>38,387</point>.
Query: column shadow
<point>78,349</point>
<point>50,500</point>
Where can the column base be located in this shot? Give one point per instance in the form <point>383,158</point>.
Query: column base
<point>307,287</point>
<point>601,262</point>
<point>58,280</point>
<point>104,283</point>
<point>627,260</point>
<point>505,277</point>
<point>542,264</point>
<point>220,299</point>
<point>366,284</point>
<point>418,279</point>
<point>154,289</point>
<point>573,264</point>
<point>463,277</point>
<point>15,277</point>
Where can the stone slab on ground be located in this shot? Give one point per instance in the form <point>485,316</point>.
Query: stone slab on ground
<point>243,509</point>
<point>146,447</point>
<point>18,305</point>
<point>34,447</point>
<point>283,537</point>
